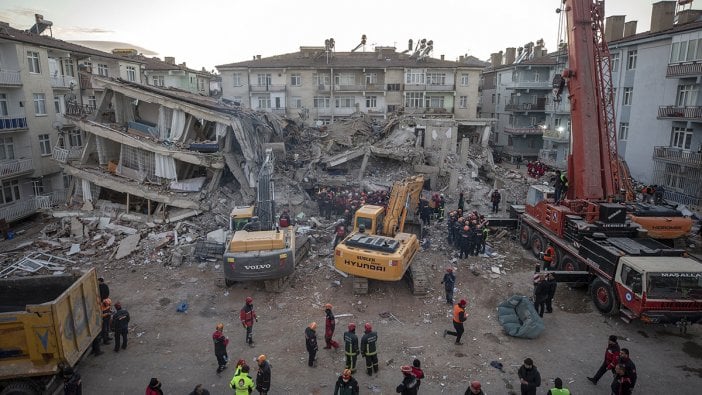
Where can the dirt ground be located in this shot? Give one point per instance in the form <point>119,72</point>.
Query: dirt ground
<point>177,347</point>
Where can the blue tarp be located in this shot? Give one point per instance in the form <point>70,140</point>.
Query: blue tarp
<point>519,318</point>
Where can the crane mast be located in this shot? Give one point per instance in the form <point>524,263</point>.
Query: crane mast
<point>593,163</point>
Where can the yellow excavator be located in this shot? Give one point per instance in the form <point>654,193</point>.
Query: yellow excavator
<point>379,248</point>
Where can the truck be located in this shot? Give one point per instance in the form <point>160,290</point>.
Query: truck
<point>259,250</point>
<point>384,251</point>
<point>46,324</point>
<point>595,241</point>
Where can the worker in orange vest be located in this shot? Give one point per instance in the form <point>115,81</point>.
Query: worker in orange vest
<point>459,317</point>
<point>549,255</point>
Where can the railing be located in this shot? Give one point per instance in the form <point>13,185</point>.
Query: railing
<point>15,166</point>
<point>62,81</point>
<point>323,88</point>
<point>51,199</point>
<point>10,122</point>
<point>267,88</point>
<point>524,107</point>
<point>684,69</point>
<point>10,77</point>
<point>677,155</point>
<point>690,112</point>
<point>78,110</point>
<point>528,85</point>
<point>64,154</point>
<point>555,135</point>
<point>26,207</point>
<point>429,87</point>
<point>527,131</point>
<point>279,111</point>
<point>692,202</point>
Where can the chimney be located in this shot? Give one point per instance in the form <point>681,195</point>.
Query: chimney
<point>687,16</point>
<point>510,55</point>
<point>169,60</point>
<point>495,59</point>
<point>258,57</point>
<point>614,27</point>
<point>461,58</point>
<point>442,57</point>
<point>183,65</point>
<point>662,16</point>
<point>629,28</point>
<point>538,51</point>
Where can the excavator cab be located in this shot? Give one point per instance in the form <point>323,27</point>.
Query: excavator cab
<point>371,217</point>
<point>240,216</point>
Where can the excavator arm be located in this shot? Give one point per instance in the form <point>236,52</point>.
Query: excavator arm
<point>404,199</point>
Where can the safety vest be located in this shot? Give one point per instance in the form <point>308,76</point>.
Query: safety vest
<point>242,383</point>
<point>457,310</point>
<point>559,391</point>
<point>548,255</point>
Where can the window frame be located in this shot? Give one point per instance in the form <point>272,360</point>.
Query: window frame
<point>681,138</point>
<point>295,79</point>
<point>39,104</point>
<point>44,144</point>
<point>14,191</point>
<point>33,62</point>
<point>236,79</point>
<point>627,96</point>
<point>371,101</point>
<point>103,70</point>
<point>631,59</point>
<point>465,79</point>
<point>623,131</point>
<point>131,73</point>
<point>463,101</point>
<point>7,148</point>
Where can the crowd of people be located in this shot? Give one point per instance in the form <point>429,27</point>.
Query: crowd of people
<point>537,169</point>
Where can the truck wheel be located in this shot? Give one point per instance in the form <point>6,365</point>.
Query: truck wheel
<point>19,388</point>
<point>603,297</point>
<point>569,264</point>
<point>524,236</point>
<point>229,283</point>
<point>537,244</point>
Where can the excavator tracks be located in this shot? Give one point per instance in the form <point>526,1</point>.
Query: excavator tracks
<point>360,285</point>
<point>418,281</point>
<point>278,285</point>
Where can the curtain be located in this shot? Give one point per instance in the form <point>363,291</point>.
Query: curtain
<point>165,118</point>
<point>128,108</point>
<point>165,167</point>
<point>221,130</point>
<point>178,125</point>
<point>85,186</point>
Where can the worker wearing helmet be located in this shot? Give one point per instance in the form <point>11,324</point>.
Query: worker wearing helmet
<point>329,327</point>
<point>106,308</point>
<point>449,281</point>
<point>220,347</point>
<point>351,347</point>
<point>263,377</point>
<point>465,241</point>
<point>369,349</point>
<point>346,384</point>
<point>247,315</point>
<point>311,343</point>
<point>459,317</point>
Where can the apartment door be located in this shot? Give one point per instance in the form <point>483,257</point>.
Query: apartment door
<point>277,102</point>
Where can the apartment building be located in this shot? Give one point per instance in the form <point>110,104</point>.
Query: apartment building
<point>166,73</point>
<point>321,85</point>
<point>657,78</point>
<point>39,85</point>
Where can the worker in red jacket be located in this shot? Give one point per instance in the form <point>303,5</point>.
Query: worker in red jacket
<point>610,359</point>
<point>247,315</point>
<point>330,325</point>
<point>220,347</point>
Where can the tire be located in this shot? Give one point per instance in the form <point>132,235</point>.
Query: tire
<point>19,388</point>
<point>524,236</point>
<point>229,283</point>
<point>569,264</point>
<point>603,297</point>
<point>536,244</point>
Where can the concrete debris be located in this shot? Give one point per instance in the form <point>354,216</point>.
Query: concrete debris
<point>75,248</point>
<point>217,236</point>
<point>127,246</point>
<point>121,229</point>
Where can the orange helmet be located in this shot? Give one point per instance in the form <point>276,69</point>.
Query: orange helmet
<point>328,306</point>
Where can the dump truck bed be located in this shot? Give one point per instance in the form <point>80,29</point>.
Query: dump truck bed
<point>45,321</point>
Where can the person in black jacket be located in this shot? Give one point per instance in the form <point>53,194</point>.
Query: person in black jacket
<point>311,343</point>
<point>104,289</point>
<point>263,377</point>
<point>621,385</point>
<point>529,377</point>
<point>346,385</point>
<point>351,347</point>
<point>369,349</point>
<point>72,384</point>
<point>449,282</point>
<point>220,347</point>
<point>120,320</point>
<point>409,384</point>
<point>541,295</point>
<point>552,285</point>
<point>629,367</point>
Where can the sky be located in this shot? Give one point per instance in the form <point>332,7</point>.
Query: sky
<point>207,33</point>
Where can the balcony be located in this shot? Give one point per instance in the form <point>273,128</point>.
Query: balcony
<point>556,136</point>
<point>429,87</point>
<point>78,110</point>
<point>525,107</point>
<point>530,131</point>
<point>26,207</point>
<point>63,82</point>
<point>63,155</point>
<point>323,88</point>
<point>15,167</point>
<point>10,78</point>
<point>689,69</point>
<point>267,88</point>
<point>689,113</point>
<point>678,155</point>
<point>528,85</point>
<point>12,122</point>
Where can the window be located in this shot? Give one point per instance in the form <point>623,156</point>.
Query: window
<point>414,76</point>
<point>39,104</point>
<point>436,78</point>
<point>103,70</point>
<point>33,61</point>
<point>624,131</point>
<point>393,87</point>
<point>414,99</point>
<point>92,102</point>
<point>628,96</point>
<point>464,79</point>
<point>200,84</point>
<point>59,105</point>
<point>320,102</point>
<point>681,138</point>
<point>75,138</point>
<point>296,102</point>
<point>7,148</point>
<point>674,52</point>
<point>345,79</point>
<point>615,61</point>
<point>68,67</point>
<point>493,99</point>
<point>295,79</point>
<point>691,50</point>
<point>371,101</point>
<point>236,77</point>
<point>264,102</point>
<point>371,78</point>
<point>10,191</point>
<point>463,102</point>
<point>392,107</point>
<point>158,80</point>
<point>631,59</point>
<point>344,102</point>
<point>321,79</point>
<point>264,79</point>
<point>131,73</point>
<point>3,105</point>
<point>45,144</point>
<point>687,95</point>
<point>434,102</point>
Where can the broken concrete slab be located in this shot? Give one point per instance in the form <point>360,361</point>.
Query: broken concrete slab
<point>76,227</point>
<point>103,222</point>
<point>127,246</point>
<point>121,229</point>
<point>110,241</point>
<point>218,236</point>
<point>75,248</point>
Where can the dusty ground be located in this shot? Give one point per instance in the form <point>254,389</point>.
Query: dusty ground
<point>176,347</point>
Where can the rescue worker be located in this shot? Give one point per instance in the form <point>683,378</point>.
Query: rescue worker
<point>417,372</point>
<point>629,366</point>
<point>72,384</point>
<point>120,321</point>
<point>284,220</point>
<point>474,389</point>
<point>549,257</point>
<point>220,347</point>
<point>329,327</point>
<point>541,295</point>
<point>529,377</point>
<point>449,282</point>
<point>247,315</point>
<point>552,285</point>
<point>424,211</point>
<point>154,387</point>
<point>610,359</point>
<point>465,243</point>
<point>558,388</point>
<point>106,307</point>
<point>479,241</point>
<point>104,289</point>
<point>339,232</point>
<point>561,186</point>
<point>351,347</point>
<point>346,385</point>
<point>311,343</point>
<point>495,198</point>
<point>409,384</point>
<point>451,224</point>
<point>621,385</point>
<point>461,201</point>
<point>241,383</point>
<point>263,377</point>
<point>459,317</point>
<point>198,390</point>
<point>486,232</point>
<point>369,349</point>
<point>442,207</point>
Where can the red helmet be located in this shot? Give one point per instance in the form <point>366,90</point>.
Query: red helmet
<point>352,326</point>
<point>249,300</point>
<point>368,327</point>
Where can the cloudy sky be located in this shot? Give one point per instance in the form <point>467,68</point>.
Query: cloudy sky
<point>206,33</point>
